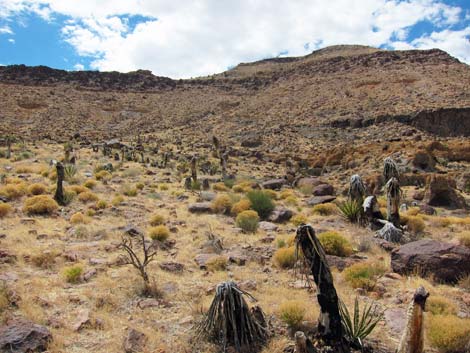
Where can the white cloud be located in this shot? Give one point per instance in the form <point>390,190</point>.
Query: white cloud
<point>11,40</point>
<point>191,38</point>
<point>79,67</point>
<point>5,30</point>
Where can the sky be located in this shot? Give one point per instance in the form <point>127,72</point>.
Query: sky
<point>191,38</point>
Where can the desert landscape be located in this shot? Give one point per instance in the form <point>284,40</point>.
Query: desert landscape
<point>299,204</point>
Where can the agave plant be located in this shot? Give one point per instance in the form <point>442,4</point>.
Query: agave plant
<point>357,189</point>
<point>351,210</point>
<point>394,195</point>
<point>70,170</point>
<point>361,324</point>
<point>390,169</point>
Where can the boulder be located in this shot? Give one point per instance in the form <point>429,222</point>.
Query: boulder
<point>444,261</point>
<point>316,200</point>
<point>308,182</point>
<point>280,215</point>
<point>274,184</point>
<point>200,207</point>
<point>170,266</point>
<point>323,190</point>
<point>251,142</point>
<point>20,335</point>
<point>267,226</point>
<point>441,192</point>
<point>424,160</point>
<point>135,341</point>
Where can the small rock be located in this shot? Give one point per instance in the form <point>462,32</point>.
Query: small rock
<point>323,190</point>
<point>280,215</point>
<point>200,207</point>
<point>316,200</point>
<point>267,226</point>
<point>170,266</point>
<point>83,320</point>
<point>135,341</point>
<point>274,184</point>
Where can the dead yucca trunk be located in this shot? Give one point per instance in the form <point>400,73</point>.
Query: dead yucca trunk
<point>394,194</point>
<point>314,258</point>
<point>231,323</point>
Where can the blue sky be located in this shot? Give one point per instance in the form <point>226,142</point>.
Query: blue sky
<point>190,38</point>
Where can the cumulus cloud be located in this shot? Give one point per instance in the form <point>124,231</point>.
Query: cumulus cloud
<point>193,38</point>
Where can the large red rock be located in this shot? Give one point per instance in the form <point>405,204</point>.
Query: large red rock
<point>444,261</point>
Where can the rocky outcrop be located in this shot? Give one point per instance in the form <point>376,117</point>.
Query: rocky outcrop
<point>440,191</point>
<point>21,336</point>
<point>444,261</point>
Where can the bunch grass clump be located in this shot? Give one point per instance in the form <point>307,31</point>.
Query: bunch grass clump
<point>364,274</point>
<point>240,206</point>
<point>248,221</point>
<point>439,305</point>
<point>292,313</point>
<point>157,220</point>
<point>87,196</point>
<point>285,257</point>
<point>160,233</point>
<point>40,205</point>
<point>448,333</point>
<point>222,204</point>
<point>217,263</point>
<point>335,244</point>
<point>73,274</point>
<point>37,189</point>
<point>324,209</point>
<point>5,209</point>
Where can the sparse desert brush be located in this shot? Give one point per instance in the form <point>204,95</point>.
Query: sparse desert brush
<point>45,259</point>
<point>220,187</point>
<point>364,274</point>
<point>37,189</point>
<point>87,196</point>
<point>248,221</point>
<point>90,212</point>
<point>5,209</point>
<point>448,333</point>
<point>164,187</point>
<point>117,200</point>
<point>129,191</point>
<point>285,241</point>
<point>464,282</point>
<point>78,189</point>
<point>13,191</point>
<point>73,274</point>
<point>271,193</point>
<point>439,305</point>
<point>222,204</point>
<point>90,183</point>
<point>160,233</point>
<point>335,244</point>
<point>23,169</point>
<point>40,205</point>
<point>101,204</point>
<point>261,203</point>
<point>79,218</point>
<point>464,239</point>
<point>217,263</point>
<point>291,200</point>
<point>299,219</point>
<point>382,201</point>
<point>240,206</point>
<point>140,186</point>
<point>285,257</point>
<point>450,221</point>
<point>157,219</point>
<point>131,172</point>
<point>286,193</point>
<point>69,195</point>
<point>415,224</point>
<point>4,298</point>
<point>244,186</point>
<point>103,175</point>
<point>306,190</point>
<point>52,175</point>
<point>412,211</point>
<point>324,209</point>
<point>292,312</point>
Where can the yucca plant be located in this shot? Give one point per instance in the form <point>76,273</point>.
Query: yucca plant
<point>70,170</point>
<point>351,210</point>
<point>390,169</point>
<point>361,324</point>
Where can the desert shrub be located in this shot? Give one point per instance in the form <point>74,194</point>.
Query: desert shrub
<point>285,257</point>
<point>464,239</point>
<point>69,195</point>
<point>90,184</point>
<point>103,175</point>
<point>45,259</point>
<point>132,172</point>
<point>222,204</point>
<point>117,200</point>
<point>286,193</point>
<point>464,282</point>
<point>248,221</point>
<point>291,200</point>
<point>261,203</point>
<point>299,219</point>
<point>79,218</point>
<point>140,186</point>
<point>413,211</point>
<point>40,205</point>
<point>37,189</point>
<point>439,305</point>
<point>285,241</point>
<point>335,244</point>
<point>101,204</point>
<point>90,212</point>
<point>160,233</point>
<point>78,189</point>
<point>87,196</point>
<point>240,206</point>
<point>23,169</point>
<point>351,210</point>
<point>324,209</point>
<point>157,219</point>
<point>5,209</point>
<point>13,191</point>
<point>164,187</point>
<point>129,190</point>
<point>73,274</point>
<point>292,312</point>
<point>415,224</point>
<point>217,263</point>
<point>229,182</point>
<point>220,187</point>
<point>448,333</point>
<point>70,172</point>
<point>245,186</point>
<point>271,193</point>
<point>363,274</point>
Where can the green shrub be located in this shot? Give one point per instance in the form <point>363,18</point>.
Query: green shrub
<point>448,333</point>
<point>363,274</point>
<point>73,274</point>
<point>40,205</point>
<point>292,312</point>
<point>285,257</point>
<point>261,203</point>
<point>439,305</point>
<point>160,233</point>
<point>335,244</point>
<point>351,210</point>
<point>248,221</point>
<point>299,219</point>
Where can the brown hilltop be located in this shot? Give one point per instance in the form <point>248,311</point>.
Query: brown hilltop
<point>316,98</point>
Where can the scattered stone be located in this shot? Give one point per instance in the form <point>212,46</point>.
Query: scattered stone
<point>267,226</point>
<point>274,184</point>
<point>341,262</point>
<point>248,285</point>
<point>323,190</point>
<point>316,200</point>
<point>135,341</point>
<point>19,335</point>
<point>395,318</point>
<point>132,230</point>
<point>6,257</point>
<point>446,262</point>
<point>148,303</point>
<point>280,215</point>
<point>237,258</point>
<point>202,260</point>
<point>89,274</point>
<point>170,266</point>
<point>208,195</point>
<point>308,182</point>
<point>83,320</point>
<point>200,207</point>
<point>426,209</point>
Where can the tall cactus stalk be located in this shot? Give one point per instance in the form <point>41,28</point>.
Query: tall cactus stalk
<point>357,189</point>
<point>59,191</point>
<point>394,194</point>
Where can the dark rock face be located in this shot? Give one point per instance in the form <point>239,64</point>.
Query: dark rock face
<point>20,335</point>
<point>446,262</point>
<point>444,122</point>
<point>424,161</point>
<point>323,190</point>
<point>441,192</point>
<point>280,215</point>
<point>316,200</point>
<point>200,207</point>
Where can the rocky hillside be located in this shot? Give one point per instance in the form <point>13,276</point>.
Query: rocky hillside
<point>322,97</point>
